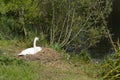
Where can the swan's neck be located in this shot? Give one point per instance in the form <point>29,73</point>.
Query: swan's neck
<point>34,45</point>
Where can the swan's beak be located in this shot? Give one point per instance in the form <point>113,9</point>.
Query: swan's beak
<point>20,56</point>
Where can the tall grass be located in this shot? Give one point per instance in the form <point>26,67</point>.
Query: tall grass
<point>34,70</point>
<point>14,69</point>
<point>18,72</point>
<point>111,68</point>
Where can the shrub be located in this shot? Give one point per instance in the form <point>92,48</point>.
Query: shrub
<point>79,22</point>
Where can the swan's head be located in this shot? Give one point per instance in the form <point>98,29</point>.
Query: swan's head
<point>36,38</point>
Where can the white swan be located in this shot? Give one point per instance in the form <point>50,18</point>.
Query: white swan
<point>32,50</point>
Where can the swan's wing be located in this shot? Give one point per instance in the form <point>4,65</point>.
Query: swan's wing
<point>30,51</point>
<point>38,49</point>
<point>27,51</point>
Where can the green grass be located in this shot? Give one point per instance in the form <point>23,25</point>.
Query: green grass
<point>35,71</point>
<point>14,72</point>
<point>12,68</point>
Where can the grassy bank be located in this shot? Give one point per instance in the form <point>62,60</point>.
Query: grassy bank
<point>12,68</point>
<point>60,70</point>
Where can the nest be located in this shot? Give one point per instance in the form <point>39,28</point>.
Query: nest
<point>46,55</point>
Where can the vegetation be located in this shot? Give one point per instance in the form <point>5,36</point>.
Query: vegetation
<point>11,68</point>
<point>112,66</point>
<point>80,24</point>
<point>71,27</point>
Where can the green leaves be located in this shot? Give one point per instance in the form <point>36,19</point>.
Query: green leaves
<point>111,69</point>
<point>66,22</point>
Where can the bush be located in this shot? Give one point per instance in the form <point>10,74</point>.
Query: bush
<point>80,23</point>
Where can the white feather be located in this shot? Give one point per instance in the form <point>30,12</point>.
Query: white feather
<point>33,50</point>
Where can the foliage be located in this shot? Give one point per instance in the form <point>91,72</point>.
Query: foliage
<point>56,47</point>
<point>82,24</point>
<point>77,23</point>
<point>112,66</point>
<point>16,16</point>
<point>82,56</point>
